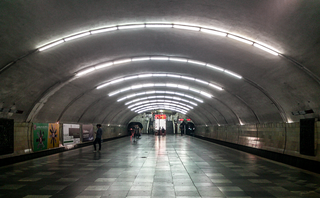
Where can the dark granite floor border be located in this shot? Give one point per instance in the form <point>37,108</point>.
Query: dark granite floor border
<point>24,157</point>
<point>298,162</point>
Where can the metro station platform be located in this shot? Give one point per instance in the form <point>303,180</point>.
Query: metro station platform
<point>169,166</point>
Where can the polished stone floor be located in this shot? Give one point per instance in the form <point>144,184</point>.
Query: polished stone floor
<point>170,166</point>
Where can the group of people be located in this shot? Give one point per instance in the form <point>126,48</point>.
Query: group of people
<point>135,134</point>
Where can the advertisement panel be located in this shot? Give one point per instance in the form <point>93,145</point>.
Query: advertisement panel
<point>160,116</point>
<point>40,136</point>
<point>53,135</point>
<point>160,121</point>
<point>87,132</point>
<point>71,134</point>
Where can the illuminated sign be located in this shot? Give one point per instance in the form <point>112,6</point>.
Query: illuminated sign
<point>181,119</point>
<point>160,116</point>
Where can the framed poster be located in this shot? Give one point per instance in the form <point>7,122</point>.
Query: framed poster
<point>87,132</point>
<point>53,135</point>
<point>40,136</point>
<point>71,134</point>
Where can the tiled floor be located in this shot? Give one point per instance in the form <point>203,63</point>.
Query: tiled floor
<point>171,166</point>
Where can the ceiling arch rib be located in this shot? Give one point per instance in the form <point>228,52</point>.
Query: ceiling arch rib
<point>142,87</point>
<point>152,98</point>
<point>165,103</point>
<point>167,106</point>
<point>175,76</point>
<point>162,75</point>
<point>118,111</point>
<point>168,95</point>
<point>160,92</point>
<point>148,85</point>
<point>133,106</point>
<point>96,68</point>
<point>55,88</point>
<point>182,77</point>
<point>201,116</point>
<point>176,86</point>
<point>181,26</point>
<point>184,26</point>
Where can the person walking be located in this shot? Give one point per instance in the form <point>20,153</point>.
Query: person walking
<point>98,138</point>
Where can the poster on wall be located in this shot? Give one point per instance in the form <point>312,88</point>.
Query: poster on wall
<point>87,132</point>
<point>6,136</point>
<point>40,136</point>
<point>160,121</point>
<point>53,135</point>
<point>71,134</point>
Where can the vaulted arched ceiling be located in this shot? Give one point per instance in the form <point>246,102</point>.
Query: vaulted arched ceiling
<point>82,61</point>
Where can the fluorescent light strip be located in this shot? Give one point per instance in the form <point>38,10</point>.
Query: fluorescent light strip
<point>130,27</point>
<point>266,49</point>
<point>178,59</point>
<point>159,58</point>
<point>196,62</point>
<point>77,36</point>
<point>161,107</point>
<point>160,25</point>
<point>214,67</point>
<point>161,85</point>
<point>116,81</point>
<point>161,92</point>
<point>145,75</point>
<point>103,30</point>
<point>173,76</point>
<point>100,66</point>
<point>85,71</point>
<point>103,85</point>
<point>240,39</point>
<point>215,86</point>
<point>233,74</point>
<point>159,75</point>
<point>186,27</point>
<point>121,61</point>
<point>160,103</point>
<point>141,59</point>
<point>188,78</point>
<point>213,32</point>
<point>50,45</point>
<point>201,81</point>
<point>157,108</point>
<point>131,77</point>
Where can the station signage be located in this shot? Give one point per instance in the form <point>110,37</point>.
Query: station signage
<point>181,119</point>
<point>160,116</point>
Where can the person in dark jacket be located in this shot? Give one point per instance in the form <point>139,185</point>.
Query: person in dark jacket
<point>98,138</point>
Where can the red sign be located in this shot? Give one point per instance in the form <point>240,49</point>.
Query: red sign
<point>160,116</point>
<point>181,119</point>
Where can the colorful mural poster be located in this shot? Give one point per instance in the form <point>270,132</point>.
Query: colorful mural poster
<point>87,132</point>
<point>40,136</point>
<point>53,135</point>
<point>71,134</point>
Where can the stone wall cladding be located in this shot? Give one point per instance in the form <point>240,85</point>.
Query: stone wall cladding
<point>281,138</point>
